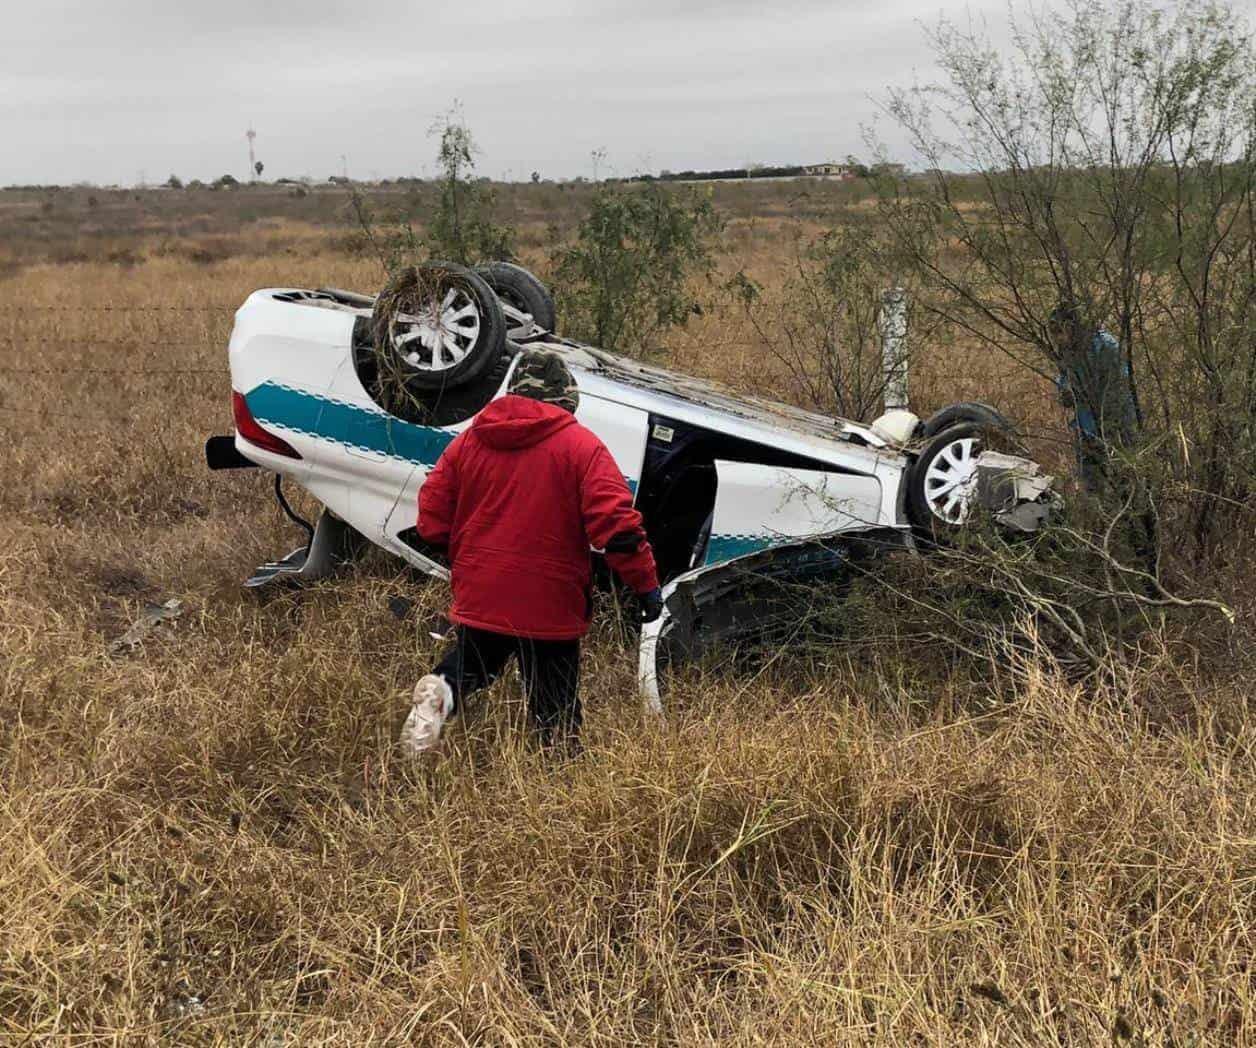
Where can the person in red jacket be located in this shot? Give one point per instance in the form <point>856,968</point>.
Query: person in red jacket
<point>520,498</point>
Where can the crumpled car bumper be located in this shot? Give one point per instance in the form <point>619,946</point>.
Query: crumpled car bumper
<point>1015,491</point>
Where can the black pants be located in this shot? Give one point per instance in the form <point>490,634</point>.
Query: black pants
<point>550,671</point>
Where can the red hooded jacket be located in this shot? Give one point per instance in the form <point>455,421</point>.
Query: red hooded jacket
<point>520,497</point>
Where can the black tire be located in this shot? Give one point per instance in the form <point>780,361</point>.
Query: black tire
<point>927,508</point>
<point>517,287</point>
<point>470,333</point>
<point>965,411</point>
<point>451,406</point>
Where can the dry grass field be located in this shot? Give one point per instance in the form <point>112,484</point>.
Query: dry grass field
<point>210,840</point>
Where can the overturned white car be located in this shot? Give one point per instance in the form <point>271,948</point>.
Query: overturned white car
<point>354,397</point>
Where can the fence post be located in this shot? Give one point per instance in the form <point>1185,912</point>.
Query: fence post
<point>894,346</point>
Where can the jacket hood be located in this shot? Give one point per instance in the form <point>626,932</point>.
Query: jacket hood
<point>519,422</point>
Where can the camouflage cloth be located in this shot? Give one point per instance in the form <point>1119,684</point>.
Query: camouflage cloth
<point>544,377</point>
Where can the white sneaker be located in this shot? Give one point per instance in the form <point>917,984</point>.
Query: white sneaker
<point>433,702</point>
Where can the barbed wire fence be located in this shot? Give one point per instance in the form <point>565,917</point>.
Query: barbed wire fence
<point>198,307</point>
<point>135,366</point>
<point>139,359</point>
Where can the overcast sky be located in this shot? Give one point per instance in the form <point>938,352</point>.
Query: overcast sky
<point>104,90</point>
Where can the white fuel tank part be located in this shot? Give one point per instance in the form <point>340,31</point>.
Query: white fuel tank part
<point>897,426</point>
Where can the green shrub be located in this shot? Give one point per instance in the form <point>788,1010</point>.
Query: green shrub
<point>625,279</point>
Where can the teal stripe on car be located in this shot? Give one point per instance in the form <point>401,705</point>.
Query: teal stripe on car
<point>351,425</point>
<point>348,424</point>
<point>728,547</point>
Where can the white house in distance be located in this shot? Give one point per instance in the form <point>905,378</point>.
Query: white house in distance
<point>848,172</point>
<point>831,169</point>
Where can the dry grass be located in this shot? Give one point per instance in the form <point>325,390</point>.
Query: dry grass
<point>210,841</point>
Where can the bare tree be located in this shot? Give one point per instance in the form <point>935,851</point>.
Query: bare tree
<point>1112,158</point>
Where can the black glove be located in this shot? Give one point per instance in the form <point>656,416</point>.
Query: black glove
<point>649,605</point>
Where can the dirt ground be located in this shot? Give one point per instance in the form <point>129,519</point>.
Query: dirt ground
<point>210,840</point>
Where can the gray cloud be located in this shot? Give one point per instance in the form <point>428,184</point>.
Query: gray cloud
<point>102,90</point>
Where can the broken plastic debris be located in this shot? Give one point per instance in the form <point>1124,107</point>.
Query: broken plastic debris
<point>185,1006</point>
<point>1027,516</point>
<point>142,626</point>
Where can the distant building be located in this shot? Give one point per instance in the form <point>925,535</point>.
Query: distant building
<point>831,169</point>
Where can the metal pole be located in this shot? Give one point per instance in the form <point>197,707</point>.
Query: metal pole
<point>894,346</point>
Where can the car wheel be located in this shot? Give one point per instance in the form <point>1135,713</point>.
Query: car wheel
<point>942,482</point>
<point>965,411</point>
<point>519,289</point>
<point>437,326</point>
